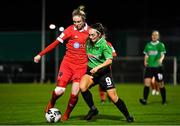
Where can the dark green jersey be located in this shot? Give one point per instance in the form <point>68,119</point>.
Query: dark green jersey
<point>98,52</point>
<point>154,50</point>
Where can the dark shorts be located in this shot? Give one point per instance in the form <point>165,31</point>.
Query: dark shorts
<point>156,72</point>
<point>103,77</point>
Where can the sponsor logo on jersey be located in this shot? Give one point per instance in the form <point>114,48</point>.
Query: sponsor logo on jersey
<point>93,57</point>
<point>76,45</point>
<point>153,52</point>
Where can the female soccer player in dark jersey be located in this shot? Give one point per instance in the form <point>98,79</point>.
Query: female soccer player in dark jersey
<point>101,91</point>
<point>74,63</point>
<point>99,72</point>
<point>154,55</point>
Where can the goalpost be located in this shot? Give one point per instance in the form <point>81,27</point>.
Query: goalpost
<point>130,69</point>
<point>175,70</point>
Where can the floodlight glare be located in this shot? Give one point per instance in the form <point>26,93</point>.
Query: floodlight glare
<point>52,26</point>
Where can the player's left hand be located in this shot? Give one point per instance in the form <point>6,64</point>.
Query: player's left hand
<point>37,58</point>
<point>94,70</point>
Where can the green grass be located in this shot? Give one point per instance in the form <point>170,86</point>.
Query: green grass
<point>23,104</point>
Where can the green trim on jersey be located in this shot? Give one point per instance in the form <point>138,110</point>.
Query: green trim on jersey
<point>98,52</point>
<point>154,50</point>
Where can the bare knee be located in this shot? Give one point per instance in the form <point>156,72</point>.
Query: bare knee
<point>85,83</point>
<point>75,88</point>
<point>59,90</point>
<point>113,95</point>
<point>161,84</point>
<point>147,82</point>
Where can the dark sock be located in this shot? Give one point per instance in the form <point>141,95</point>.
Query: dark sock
<point>122,107</point>
<point>163,94</point>
<point>146,92</point>
<point>88,99</point>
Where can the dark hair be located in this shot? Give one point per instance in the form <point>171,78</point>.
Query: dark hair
<point>99,27</point>
<point>80,11</point>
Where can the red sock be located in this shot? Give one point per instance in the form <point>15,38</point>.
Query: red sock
<point>54,97</point>
<point>71,104</point>
<point>52,102</point>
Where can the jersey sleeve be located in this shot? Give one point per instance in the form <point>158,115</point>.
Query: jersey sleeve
<point>65,34</point>
<point>146,50</point>
<point>49,48</point>
<point>162,49</point>
<point>107,52</point>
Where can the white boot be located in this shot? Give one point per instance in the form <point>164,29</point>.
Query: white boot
<point>157,92</point>
<point>153,92</point>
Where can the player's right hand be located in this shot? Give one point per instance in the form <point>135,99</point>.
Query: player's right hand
<point>37,58</point>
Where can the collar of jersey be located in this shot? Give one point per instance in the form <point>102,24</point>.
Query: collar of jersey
<point>84,29</point>
<point>99,42</point>
<point>154,43</point>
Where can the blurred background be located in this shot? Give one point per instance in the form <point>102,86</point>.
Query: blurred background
<point>24,32</point>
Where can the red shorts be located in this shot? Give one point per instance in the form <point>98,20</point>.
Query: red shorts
<point>69,72</point>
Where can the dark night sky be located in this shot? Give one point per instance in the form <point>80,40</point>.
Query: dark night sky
<point>17,15</point>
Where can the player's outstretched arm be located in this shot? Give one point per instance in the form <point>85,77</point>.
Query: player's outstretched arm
<point>46,50</point>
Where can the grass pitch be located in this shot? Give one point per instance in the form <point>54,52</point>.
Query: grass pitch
<point>23,104</point>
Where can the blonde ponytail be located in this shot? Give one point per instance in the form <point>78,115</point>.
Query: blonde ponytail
<point>79,11</point>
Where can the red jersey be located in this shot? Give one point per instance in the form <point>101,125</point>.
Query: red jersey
<point>75,46</point>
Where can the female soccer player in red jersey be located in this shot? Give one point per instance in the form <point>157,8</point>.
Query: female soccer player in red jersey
<point>74,63</point>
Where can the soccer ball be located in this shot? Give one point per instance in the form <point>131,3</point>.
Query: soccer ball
<point>53,115</point>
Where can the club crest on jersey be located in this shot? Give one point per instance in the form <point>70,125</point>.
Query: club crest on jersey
<point>76,45</point>
<point>60,74</point>
<point>97,48</point>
